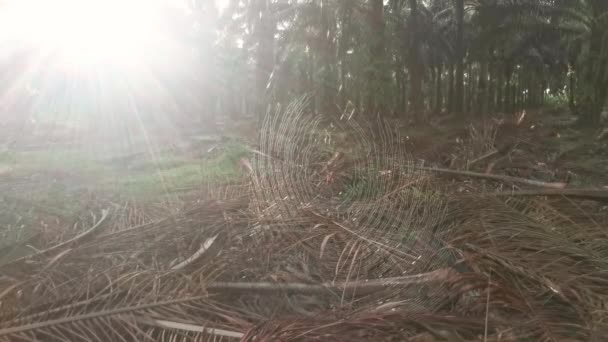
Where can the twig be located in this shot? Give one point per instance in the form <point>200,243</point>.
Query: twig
<point>191,327</point>
<point>196,255</point>
<point>406,185</point>
<point>57,257</point>
<point>590,194</point>
<point>483,157</point>
<point>510,179</point>
<point>368,285</point>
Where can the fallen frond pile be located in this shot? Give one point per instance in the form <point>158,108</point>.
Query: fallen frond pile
<point>338,235</point>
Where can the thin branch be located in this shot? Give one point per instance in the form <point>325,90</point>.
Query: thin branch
<point>503,178</point>
<point>400,188</point>
<point>364,285</point>
<point>590,194</point>
<point>191,327</point>
<point>483,157</point>
<point>206,245</point>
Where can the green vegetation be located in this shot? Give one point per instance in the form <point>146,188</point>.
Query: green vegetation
<point>57,179</point>
<point>169,173</point>
<point>54,187</point>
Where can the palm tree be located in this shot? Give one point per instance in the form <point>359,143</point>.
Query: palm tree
<point>264,28</point>
<point>533,34</point>
<point>460,51</point>
<point>594,59</point>
<point>477,56</point>
<point>377,54</point>
<point>415,65</point>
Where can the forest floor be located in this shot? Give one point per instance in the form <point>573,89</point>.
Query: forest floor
<point>48,191</point>
<point>45,186</point>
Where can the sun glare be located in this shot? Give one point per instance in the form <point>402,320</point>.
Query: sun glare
<point>84,32</point>
<point>222,5</point>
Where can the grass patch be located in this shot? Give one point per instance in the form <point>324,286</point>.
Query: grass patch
<point>56,184</point>
<point>55,180</point>
<point>7,158</point>
<point>69,161</point>
<point>158,181</point>
<point>174,173</point>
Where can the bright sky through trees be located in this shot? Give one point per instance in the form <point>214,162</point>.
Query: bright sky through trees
<point>85,32</point>
<point>113,61</point>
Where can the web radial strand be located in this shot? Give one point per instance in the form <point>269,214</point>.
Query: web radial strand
<point>355,176</point>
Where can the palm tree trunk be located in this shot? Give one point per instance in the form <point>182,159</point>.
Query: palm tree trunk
<point>405,91</point>
<point>542,92</point>
<point>507,89</point>
<point>528,92</point>
<point>470,92</point>
<point>312,81</point>
<point>438,93</point>
<point>482,88</point>
<point>515,91</point>
<point>500,86</point>
<point>459,86</point>
<point>401,92</point>
<point>343,44</point>
<point>432,87</point>
<point>519,91</point>
<point>571,87</point>
<point>530,100</point>
<point>264,54</point>
<point>326,53</point>
<point>490,96</point>
<point>415,67</point>
<point>450,79</point>
<point>596,75</point>
<point>376,78</point>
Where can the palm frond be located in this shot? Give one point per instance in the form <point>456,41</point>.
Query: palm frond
<point>338,234</point>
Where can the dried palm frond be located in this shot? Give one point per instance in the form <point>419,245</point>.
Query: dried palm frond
<point>338,236</point>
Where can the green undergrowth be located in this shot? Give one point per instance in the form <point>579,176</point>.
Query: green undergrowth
<point>57,176</point>
<point>167,172</point>
<point>159,179</point>
<point>58,186</point>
